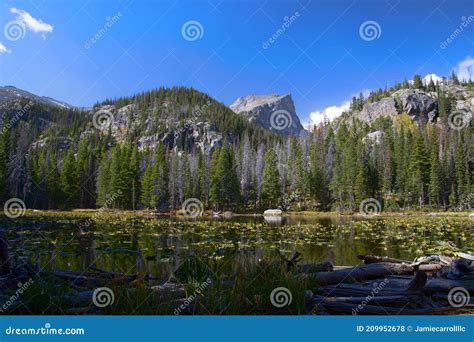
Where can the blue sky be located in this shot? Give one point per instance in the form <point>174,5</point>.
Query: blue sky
<point>322,56</point>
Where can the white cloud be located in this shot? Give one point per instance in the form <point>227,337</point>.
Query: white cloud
<point>465,69</point>
<point>3,49</point>
<point>428,78</point>
<point>33,24</point>
<point>330,113</point>
<point>434,77</point>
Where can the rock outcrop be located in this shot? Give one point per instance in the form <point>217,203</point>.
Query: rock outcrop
<point>8,93</point>
<point>274,112</point>
<point>416,103</point>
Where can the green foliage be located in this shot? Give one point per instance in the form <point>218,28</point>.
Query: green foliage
<point>271,190</point>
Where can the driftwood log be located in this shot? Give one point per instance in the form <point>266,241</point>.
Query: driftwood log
<point>5,261</point>
<point>372,259</point>
<point>360,273</point>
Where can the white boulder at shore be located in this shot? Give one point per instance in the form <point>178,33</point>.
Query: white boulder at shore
<point>272,212</point>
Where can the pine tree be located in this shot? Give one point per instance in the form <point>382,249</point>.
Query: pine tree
<point>417,82</point>
<point>82,172</point>
<point>53,191</point>
<point>214,191</point>
<point>103,181</point>
<point>134,174</point>
<point>435,172</point>
<point>160,195</point>
<point>3,165</point>
<point>147,193</point>
<point>271,180</point>
<point>69,180</point>
<point>225,186</point>
<point>418,170</point>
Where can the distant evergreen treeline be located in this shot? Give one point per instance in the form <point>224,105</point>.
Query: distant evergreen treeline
<point>335,167</point>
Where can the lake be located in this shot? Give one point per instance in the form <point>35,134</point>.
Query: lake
<point>122,242</point>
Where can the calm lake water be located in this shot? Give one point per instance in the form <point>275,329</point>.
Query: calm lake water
<point>157,245</point>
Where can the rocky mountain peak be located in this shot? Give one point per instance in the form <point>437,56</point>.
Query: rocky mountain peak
<point>8,93</point>
<point>274,112</point>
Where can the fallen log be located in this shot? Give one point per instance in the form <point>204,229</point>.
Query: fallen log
<point>313,268</point>
<point>5,261</point>
<point>430,267</point>
<point>466,256</point>
<point>372,259</point>
<point>418,282</point>
<point>359,273</point>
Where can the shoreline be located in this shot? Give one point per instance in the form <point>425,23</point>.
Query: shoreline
<point>230,215</point>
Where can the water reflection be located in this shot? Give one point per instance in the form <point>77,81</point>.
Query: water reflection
<point>162,246</point>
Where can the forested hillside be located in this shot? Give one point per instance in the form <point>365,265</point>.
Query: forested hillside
<point>159,148</point>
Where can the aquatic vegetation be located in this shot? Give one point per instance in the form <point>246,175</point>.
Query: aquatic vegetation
<point>239,256</point>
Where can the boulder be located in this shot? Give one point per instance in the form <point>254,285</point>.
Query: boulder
<point>272,212</point>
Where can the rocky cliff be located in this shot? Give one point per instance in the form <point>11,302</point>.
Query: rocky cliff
<point>274,112</point>
<point>414,102</point>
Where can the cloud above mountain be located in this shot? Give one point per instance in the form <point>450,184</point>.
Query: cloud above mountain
<point>332,112</point>
<point>328,113</point>
<point>465,69</point>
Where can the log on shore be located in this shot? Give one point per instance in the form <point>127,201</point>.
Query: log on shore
<point>372,259</point>
<point>313,268</point>
<point>360,273</point>
<point>5,261</point>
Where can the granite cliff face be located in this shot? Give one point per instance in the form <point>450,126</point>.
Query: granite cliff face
<point>416,103</point>
<point>274,112</point>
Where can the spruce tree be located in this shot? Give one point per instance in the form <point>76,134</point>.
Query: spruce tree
<point>435,172</point>
<point>69,180</point>
<point>147,190</point>
<point>160,194</point>
<point>103,181</point>
<point>271,191</point>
